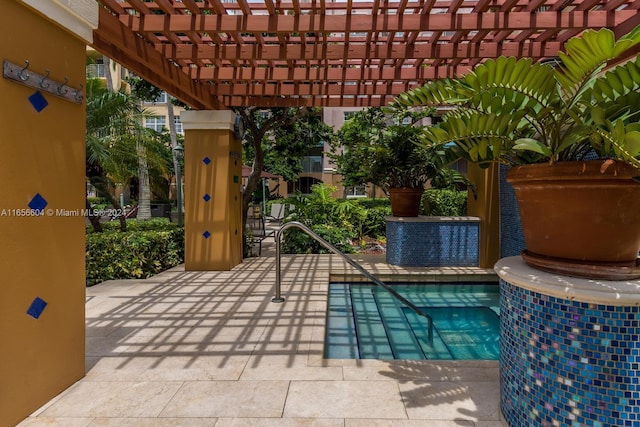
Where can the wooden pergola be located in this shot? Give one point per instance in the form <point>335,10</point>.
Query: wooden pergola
<point>215,54</point>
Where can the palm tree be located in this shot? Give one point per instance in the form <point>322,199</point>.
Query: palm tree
<point>116,139</point>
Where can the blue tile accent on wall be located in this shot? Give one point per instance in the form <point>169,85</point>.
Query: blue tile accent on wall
<point>433,244</point>
<point>511,236</point>
<point>206,234</point>
<point>206,160</point>
<point>206,197</point>
<point>38,202</point>
<point>568,363</point>
<point>36,307</point>
<point>38,101</point>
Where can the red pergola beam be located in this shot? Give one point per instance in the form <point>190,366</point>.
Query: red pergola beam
<point>308,89</point>
<point>400,51</point>
<point>364,101</point>
<point>504,21</point>
<point>119,43</point>
<point>325,74</point>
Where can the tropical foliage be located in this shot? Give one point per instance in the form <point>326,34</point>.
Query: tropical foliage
<point>348,223</point>
<point>337,221</point>
<point>384,150</point>
<point>276,139</point>
<point>147,248</point>
<point>515,111</point>
<point>116,140</point>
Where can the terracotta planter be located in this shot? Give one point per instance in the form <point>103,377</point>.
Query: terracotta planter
<point>405,201</point>
<point>580,218</point>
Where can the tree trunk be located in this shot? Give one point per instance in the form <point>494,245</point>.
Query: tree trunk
<point>144,187</point>
<point>176,161</point>
<point>107,72</point>
<point>94,220</point>
<point>100,183</point>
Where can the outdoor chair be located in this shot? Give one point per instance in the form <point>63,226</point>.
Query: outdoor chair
<point>277,212</point>
<point>259,230</point>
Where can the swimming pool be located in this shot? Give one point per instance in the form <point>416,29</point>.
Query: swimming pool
<point>364,321</point>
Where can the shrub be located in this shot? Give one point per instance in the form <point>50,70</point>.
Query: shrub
<point>153,224</point>
<point>370,203</point>
<point>337,221</point>
<point>139,253</point>
<point>375,224</point>
<point>444,203</point>
<point>297,242</point>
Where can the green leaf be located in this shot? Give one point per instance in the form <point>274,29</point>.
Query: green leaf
<point>531,144</point>
<point>598,115</point>
<point>632,143</point>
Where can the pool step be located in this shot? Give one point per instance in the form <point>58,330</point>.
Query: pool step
<point>402,340</point>
<point>340,329</point>
<point>373,342</point>
<point>367,322</point>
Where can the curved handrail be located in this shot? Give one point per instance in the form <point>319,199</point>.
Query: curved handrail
<point>329,246</point>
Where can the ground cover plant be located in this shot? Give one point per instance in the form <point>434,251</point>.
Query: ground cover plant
<point>146,248</point>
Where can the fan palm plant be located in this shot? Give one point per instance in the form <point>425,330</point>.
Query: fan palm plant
<point>579,217</point>
<point>515,111</point>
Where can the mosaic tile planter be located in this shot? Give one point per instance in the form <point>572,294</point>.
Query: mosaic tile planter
<point>433,241</point>
<point>569,349</point>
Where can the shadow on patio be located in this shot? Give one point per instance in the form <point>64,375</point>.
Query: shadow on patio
<point>210,348</point>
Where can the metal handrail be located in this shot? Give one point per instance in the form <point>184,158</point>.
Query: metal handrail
<point>278,298</point>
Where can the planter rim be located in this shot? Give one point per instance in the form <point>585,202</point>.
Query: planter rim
<point>617,292</point>
<point>601,169</point>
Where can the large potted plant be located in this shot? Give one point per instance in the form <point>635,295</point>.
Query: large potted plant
<point>385,149</point>
<point>571,131</point>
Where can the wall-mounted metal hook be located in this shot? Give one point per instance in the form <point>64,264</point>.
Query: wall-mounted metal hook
<point>44,85</point>
<point>61,87</point>
<point>22,77</point>
<point>78,94</point>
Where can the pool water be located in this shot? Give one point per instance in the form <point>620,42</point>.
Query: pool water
<point>365,321</point>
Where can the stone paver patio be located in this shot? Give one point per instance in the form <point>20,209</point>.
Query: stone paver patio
<point>211,349</point>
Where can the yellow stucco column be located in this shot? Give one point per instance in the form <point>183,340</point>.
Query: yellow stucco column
<point>212,193</point>
<point>487,207</point>
<point>42,170</point>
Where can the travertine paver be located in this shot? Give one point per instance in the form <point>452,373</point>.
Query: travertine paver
<point>240,399</point>
<point>211,349</point>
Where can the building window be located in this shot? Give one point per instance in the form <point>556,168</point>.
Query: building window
<point>96,70</point>
<point>356,191</point>
<point>155,123</point>
<point>348,115</point>
<point>178,124</point>
<point>161,99</point>
<point>312,164</point>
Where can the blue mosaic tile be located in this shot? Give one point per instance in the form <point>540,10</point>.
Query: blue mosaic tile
<point>206,197</point>
<point>38,202</point>
<point>206,234</point>
<point>206,160</point>
<point>36,308</point>
<point>568,363</point>
<point>38,101</point>
<point>433,244</point>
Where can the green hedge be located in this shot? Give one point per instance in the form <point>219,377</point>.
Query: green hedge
<point>297,242</point>
<point>139,253</point>
<point>437,202</point>
<point>152,224</point>
<point>375,224</point>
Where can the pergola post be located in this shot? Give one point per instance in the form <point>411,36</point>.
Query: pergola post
<point>42,222</point>
<point>212,194</point>
<point>485,204</point>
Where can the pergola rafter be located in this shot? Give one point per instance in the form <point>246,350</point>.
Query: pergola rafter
<point>213,54</point>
